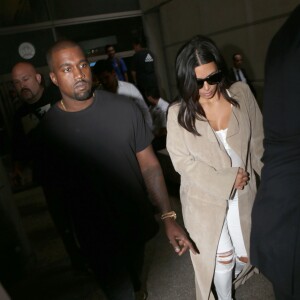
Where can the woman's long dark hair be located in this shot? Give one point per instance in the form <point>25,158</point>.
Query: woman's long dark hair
<point>198,51</point>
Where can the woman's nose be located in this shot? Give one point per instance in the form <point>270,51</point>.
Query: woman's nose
<point>206,85</point>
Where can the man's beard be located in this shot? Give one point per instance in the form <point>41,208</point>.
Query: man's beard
<point>82,96</point>
<point>27,96</point>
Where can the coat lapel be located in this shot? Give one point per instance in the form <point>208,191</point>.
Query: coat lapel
<point>233,126</point>
<point>233,133</point>
<point>206,130</point>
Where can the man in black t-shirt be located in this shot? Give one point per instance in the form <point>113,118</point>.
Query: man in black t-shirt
<point>100,149</point>
<point>143,68</point>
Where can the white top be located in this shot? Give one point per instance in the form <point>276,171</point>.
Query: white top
<point>159,115</point>
<point>129,90</point>
<point>235,159</point>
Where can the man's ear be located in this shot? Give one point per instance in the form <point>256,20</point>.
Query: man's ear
<point>38,77</point>
<point>53,78</point>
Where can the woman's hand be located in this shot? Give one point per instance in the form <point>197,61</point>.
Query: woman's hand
<point>241,179</point>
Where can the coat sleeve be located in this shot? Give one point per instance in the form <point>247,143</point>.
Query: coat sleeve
<point>257,133</point>
<point>217,183</point>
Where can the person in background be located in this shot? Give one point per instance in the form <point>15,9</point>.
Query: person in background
<point>158,111</point>
<point>26,145</point>
<point>215,141</point>
<point>117,63</point>
<point>275,235</point>
<point>99,147</point>
<point>36,101</point>
<point>143,67</point>
<point>238,73</point>
<point>107,77</point>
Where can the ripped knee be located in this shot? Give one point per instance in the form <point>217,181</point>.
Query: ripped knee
<point>243,259</point>
<point>226,257</point>
<point>224,262</point>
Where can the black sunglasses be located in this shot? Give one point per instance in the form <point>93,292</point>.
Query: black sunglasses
<point>211,79</point>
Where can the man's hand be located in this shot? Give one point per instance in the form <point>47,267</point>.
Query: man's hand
<point>177,237</point>
<point>157,190</point>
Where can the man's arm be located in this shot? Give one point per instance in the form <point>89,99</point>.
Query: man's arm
<point>126,76</point>
<point>124,69</point>
<point>133,74</point>
<point>155,183</point>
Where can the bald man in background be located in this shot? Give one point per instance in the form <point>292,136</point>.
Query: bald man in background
<point>26,148</point>
<point>29,85</point>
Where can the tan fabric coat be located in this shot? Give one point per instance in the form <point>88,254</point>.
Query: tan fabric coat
<point>207,179</point>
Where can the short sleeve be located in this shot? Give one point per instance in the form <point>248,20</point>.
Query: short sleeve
<point>123,65</point>
<point>142,133</point>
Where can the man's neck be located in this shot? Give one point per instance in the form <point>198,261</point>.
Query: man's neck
<point>70,105</point>
<point>114,87</point>
<point>40,93</point>
<point>37,97</point>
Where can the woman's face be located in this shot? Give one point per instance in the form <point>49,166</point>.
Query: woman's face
<point>208,91</point>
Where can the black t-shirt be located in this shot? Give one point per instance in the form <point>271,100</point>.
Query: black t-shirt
<point>143,65</point>
<point>26,127</point>
<point>92,156</point>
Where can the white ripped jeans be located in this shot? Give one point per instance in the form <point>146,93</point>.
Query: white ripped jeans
<point>231,246</point>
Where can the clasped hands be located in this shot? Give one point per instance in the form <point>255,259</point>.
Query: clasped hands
<point>178,237</point>
<point>241,179</point>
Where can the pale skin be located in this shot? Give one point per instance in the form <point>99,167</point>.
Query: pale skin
<point>70,71</point>
<point>27,82</point>
<point>218,111</point>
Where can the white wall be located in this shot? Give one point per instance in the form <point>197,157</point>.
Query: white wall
<point>235,25</point>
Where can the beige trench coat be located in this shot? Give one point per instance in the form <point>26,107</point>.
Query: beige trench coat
<point>207,179</point>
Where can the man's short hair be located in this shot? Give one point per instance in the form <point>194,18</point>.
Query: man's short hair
<point>107,47</point>
<point>235,54</point>
<point>152,91</point>
<point>139,41</point>
<point>102,66</point>
<point>61,44</point>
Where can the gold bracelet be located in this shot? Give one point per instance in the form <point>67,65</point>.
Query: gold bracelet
<point>170,214</point>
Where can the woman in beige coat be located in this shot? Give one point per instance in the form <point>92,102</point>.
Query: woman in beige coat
<point>215,142</point>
